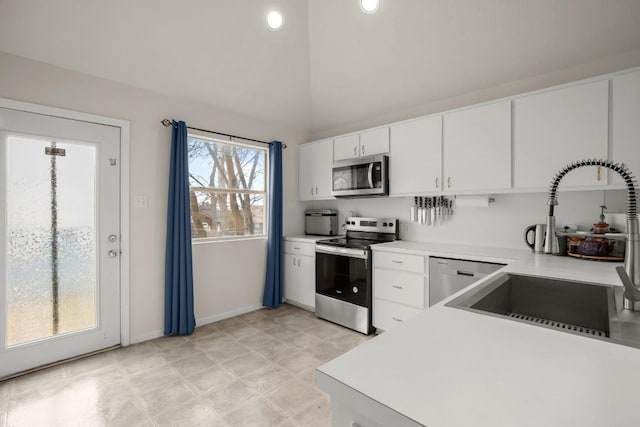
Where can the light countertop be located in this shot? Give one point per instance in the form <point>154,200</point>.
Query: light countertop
<point>451,367</point>
<point>309,238</point>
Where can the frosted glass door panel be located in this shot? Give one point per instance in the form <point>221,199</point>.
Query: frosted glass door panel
<point>51,239</point>
<point>59,238</point>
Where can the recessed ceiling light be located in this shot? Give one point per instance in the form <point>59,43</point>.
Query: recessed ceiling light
<point>274,20</point>
<point>369,6</point>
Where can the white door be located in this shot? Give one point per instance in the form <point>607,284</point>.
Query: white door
<point>59,239</point>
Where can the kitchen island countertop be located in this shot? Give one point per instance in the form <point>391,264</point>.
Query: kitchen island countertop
<point>451,367</point>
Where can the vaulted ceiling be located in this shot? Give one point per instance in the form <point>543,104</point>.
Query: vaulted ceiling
<point>330,64</point>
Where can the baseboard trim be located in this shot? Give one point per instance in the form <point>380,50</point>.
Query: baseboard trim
<point>199,322</point>
<point>227,314</point>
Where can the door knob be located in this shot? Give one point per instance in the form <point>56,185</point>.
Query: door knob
<point>112,254</point>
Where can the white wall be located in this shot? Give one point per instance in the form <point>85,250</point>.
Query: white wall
<point>228,276</point>
<point>499,225</point>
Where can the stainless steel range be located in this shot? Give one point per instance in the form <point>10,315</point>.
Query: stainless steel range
<point>343,271</point>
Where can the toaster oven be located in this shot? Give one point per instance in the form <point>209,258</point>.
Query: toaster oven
<point>321,222</point>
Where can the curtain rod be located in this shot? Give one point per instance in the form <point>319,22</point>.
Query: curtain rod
<point>167,123</point>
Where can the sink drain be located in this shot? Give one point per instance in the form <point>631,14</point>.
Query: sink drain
<point>558,325</point>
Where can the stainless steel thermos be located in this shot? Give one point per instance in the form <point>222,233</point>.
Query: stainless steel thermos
<point>539,231</point>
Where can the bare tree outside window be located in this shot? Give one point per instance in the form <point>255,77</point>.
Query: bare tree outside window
<point>227,188</point>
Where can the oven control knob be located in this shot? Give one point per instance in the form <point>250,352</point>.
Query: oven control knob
<point>355,289</point>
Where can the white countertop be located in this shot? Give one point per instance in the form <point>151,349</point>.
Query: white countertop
<point>451,367</point>
<point>307,238</point>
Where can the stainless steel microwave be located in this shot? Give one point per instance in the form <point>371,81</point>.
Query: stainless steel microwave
<point>363,177</point>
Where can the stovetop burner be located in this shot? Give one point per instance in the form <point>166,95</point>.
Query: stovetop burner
<point>352,243</point>
<point>364,232</point>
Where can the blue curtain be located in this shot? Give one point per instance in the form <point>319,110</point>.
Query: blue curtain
<point>179,317</point>
<point>273,281</point>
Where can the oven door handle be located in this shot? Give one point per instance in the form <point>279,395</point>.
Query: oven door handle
<point>333,250</point>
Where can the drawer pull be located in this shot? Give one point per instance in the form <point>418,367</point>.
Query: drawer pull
<point>397,287</point>
<point>395,261</point>
<point>396,319</point>
<point>464,273</point>
<point>296,248</point>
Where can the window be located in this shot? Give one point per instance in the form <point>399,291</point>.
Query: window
<point>227,188</point>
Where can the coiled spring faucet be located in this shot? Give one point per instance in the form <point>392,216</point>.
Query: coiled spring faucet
<point>630,275</point>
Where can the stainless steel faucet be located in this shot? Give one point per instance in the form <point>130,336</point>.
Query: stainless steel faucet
<point>630,275</point>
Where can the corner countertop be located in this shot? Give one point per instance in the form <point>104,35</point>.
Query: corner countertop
<point>309,238</point>
<point>451,367</point>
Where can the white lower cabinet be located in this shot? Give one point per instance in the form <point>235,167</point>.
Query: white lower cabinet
<point>300,273</point>
<point>399,288</point>
<point>351,408</point>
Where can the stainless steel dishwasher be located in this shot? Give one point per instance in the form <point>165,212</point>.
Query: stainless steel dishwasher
<point>447,276</point>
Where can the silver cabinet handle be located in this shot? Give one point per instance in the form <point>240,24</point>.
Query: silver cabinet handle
<point>395,261</point>
<point>112,254</point>
<point>436,182</point>
<point>296,248</point>
<point>449,182</point>
<point>396,319</point>
<point>397,287</point>
<point>312,191</point>
<point>362,150</point>
<point>355,151</point>
<point>294,261</point>
<point>299,262</point>
<point>316,191</point>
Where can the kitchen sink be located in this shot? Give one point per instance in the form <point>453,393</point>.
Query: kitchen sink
<point>586,309</point>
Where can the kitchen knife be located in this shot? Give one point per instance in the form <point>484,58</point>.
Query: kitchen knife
<point>413,214</point>
<point>433,211</point>
<point>427,211</point>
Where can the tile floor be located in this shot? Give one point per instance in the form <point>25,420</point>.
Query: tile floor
<point>252,370</point>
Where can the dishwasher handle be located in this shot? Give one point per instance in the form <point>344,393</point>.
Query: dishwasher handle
<point>464,273</point>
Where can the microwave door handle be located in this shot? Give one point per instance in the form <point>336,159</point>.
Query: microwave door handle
<point>370,175</point>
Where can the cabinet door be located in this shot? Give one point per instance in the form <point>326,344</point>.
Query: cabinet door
<point>314,170</point>
<point>346,147</point>
<point>626,123</point>
<point>291,277</point>
<point>375,141</point>
<point>306,190</point>
<point>307,280</point>
<point>477,148</point>
<point>558,127</point>
<point>323,159</point>
<point>415,160</point>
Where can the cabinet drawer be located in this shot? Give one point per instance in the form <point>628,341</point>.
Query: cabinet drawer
<point>387,315</point>
<point>403,262</point>
<point>396,286</point>
<point>299,248</point>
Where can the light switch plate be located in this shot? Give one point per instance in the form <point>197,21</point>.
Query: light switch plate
<point>141,201</point>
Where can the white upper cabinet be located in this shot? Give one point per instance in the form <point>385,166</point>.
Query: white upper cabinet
<point>477,148</point>
<point>365,143</point>
<point>625,146</point>
<point>314,170</point>
<point>415,162</point>
<point>374,141</point>
<point>346,147</point>
<point>558,127</point>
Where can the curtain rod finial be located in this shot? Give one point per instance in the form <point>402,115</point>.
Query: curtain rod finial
<point>166,122</point>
